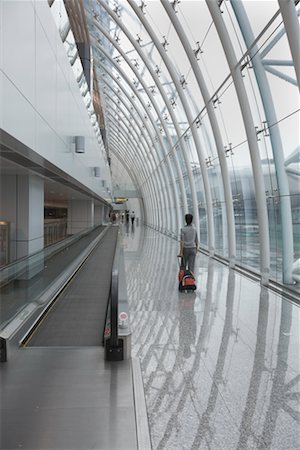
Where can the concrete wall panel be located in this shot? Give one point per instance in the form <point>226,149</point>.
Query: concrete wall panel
<point>44,107</point>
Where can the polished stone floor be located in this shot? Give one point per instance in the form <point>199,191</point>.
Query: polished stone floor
<point>220,366</point>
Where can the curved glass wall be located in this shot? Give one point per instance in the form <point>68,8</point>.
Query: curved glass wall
<point>203,82</point>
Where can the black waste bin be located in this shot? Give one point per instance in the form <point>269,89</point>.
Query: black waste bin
<point>3,352</point>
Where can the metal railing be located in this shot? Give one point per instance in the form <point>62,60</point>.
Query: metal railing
<point>54,231</point>
<point>114,345</point>
<point>16,268</point>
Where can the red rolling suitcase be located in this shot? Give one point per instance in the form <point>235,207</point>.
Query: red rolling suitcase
<point>186,280</point>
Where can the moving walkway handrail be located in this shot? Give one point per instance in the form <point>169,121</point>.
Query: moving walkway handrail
<point>114,296</point>
<point>18,267</point>
<point>114,345</point>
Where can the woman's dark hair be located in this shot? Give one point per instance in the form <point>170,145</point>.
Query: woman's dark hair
<point>189,219</point>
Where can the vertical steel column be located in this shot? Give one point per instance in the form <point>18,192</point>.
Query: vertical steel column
<point>282,180</point>
<point>261,203</point>
<point>215,128</point>
<point>192,125</point>
<point>291,24</point>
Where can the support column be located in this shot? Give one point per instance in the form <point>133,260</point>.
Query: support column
<point>80,215</point>
<point>98,214</point>
<point>30,215</point>
<point>22,205</point>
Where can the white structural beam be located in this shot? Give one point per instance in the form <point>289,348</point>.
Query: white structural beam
<point>137,152</point>
<point>140,133</point>
<point>163,223</point>
<point>281,75</point>
<point>120,148</point>
<point>162,121</point>
<point>174,76</point>
<point>261,203</point>
<point>214,125</point>
<point>160,88</point>
<point>282,180</point>
<point>154,125</point>
<point>291,24</point>
<point>136,160</point>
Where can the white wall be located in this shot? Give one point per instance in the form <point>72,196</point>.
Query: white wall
<point>41,103</point>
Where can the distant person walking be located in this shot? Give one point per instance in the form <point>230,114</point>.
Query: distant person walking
<point>188,244</point>
<point>113,217</point>
<point>132,217</point>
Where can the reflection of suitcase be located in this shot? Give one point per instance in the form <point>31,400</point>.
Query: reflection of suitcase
<point>186,280</point>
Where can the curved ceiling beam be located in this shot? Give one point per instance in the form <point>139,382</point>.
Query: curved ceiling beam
<point>291,25</point>
<point>181,146</point>
<point>174,76</point>
<point>276,142</point>
<point>151,211</point>
<point>157,110</point>
<point>120,149</point>
<point>156,131</point>
<point>152,186</point>
<point>140,133</point>
<point>135,156</point>
<point>129,172</point>
<point>135,151</point>
<point>145,124</point>
<point>136,144</point>
<point>214,125</point>
<point>262,210</point>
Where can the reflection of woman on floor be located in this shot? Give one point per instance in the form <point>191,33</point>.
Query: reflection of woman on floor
<point>187,323</point>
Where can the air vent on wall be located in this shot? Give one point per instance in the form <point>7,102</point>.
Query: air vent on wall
<point>79,144</point>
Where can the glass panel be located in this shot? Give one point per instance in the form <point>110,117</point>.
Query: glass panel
<point>245,213</point>
<point>4,243</point>
<point>216,184</point>
<point>229,116</point>
<point>47,266</point>
<point>197,23</point>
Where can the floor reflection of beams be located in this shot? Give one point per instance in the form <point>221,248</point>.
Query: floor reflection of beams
<point>204,428</point>
<point>210,372</point>
<point>246,429</point>
<point>281,392</point>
